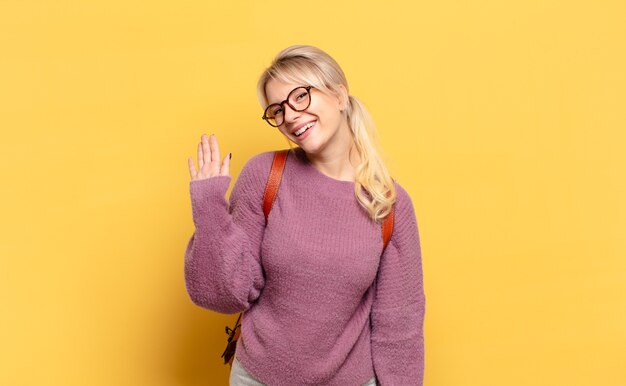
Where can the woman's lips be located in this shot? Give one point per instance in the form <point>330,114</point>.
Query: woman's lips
<point>306,133</point>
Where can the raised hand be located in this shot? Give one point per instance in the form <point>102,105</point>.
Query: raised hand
<point>208,160</point>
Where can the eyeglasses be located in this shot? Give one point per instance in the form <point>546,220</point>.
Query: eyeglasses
<point>298,99</point>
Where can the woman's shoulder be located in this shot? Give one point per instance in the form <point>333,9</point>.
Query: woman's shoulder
<point>258,161</point>
<point>255,172</point>
<point>404,211</point>
<point>403,198</point>
<point>262,162</point>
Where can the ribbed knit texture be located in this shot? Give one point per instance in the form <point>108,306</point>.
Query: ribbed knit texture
<point>322,305</point>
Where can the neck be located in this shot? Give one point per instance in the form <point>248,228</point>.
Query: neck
<point>340,159</point>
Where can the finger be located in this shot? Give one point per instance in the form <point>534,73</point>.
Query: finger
<point>192,168</point>
<point>225,170</point>
<point>200,156</point>
<point>206,151</point>
<point>215,150</point>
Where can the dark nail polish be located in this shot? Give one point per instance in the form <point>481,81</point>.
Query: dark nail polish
<point>230,156</point>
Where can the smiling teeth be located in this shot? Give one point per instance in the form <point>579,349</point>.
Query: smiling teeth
<point>304,128</point>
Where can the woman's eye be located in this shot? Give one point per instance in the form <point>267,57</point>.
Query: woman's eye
<point>276,111</point>
<point>300,96</point>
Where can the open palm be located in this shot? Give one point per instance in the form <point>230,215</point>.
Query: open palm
<point>208,160</point>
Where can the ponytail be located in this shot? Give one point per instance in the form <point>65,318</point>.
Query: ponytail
<point>374,188</point>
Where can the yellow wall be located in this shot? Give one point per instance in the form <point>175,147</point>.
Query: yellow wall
<point>504,121</point>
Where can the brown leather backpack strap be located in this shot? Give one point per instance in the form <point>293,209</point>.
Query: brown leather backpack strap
<point>273,182</point>
<point>387,228</point>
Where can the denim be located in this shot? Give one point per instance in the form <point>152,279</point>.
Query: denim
<point>240,377</point>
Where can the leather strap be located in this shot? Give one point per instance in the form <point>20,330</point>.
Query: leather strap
<point>273,182</point>
<point>387,228</point>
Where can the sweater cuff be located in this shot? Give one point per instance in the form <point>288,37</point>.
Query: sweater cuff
<point>207,195</point>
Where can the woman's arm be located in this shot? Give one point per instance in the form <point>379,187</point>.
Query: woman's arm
<point>223,269</point>
<point>399,303</point>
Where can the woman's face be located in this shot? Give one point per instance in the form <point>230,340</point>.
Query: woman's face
<point>324,117</point>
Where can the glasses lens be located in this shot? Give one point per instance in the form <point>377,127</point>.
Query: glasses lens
<point>274,114</point>
<point>299,98</point>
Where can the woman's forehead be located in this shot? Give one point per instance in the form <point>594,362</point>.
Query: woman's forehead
<point>277,90</point>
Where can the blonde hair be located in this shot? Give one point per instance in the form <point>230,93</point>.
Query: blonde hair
<point>374,188</point>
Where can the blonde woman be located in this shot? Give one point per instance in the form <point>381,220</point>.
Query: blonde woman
<point>324,303</point>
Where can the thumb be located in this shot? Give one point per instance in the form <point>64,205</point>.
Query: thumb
<point>225,169</point>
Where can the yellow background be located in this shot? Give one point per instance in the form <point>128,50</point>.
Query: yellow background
<point>503,119</point>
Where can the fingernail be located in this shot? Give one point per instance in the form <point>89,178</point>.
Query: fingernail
<point>230,156</point>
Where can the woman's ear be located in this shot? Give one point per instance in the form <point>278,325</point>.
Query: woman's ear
<point>342,97</point>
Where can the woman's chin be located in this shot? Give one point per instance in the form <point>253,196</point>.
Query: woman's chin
<point>310,147</point>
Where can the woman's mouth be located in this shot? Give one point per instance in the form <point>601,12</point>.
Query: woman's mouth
<point>304,129</point>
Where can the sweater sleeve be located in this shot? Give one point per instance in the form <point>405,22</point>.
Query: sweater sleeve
<point>223,270</point>
<point>399,304</point>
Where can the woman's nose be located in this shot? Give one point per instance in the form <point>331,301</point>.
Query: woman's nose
<point>290,114</point>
